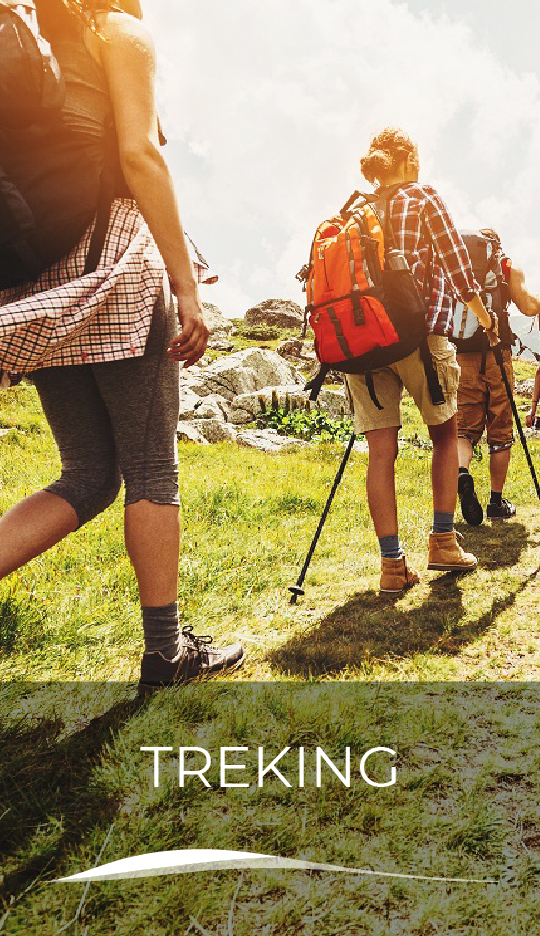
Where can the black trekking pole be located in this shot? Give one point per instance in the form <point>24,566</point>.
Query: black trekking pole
<point>499,358</point>
<point>297,589</point>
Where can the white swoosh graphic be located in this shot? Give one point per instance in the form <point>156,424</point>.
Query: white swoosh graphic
<point>191,860</point>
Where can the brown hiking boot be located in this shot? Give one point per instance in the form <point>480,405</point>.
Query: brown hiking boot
<point>446,554</point>
<point>396,576</point>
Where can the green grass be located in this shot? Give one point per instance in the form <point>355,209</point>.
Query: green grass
<point>247,522</point>
<point>464,806</point>
<point>344,667</point>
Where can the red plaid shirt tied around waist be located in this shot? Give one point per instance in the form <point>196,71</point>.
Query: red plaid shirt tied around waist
<point>419,216</point>
<point>69,318</point>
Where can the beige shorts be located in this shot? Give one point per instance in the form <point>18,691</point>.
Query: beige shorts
<point>408,373</point>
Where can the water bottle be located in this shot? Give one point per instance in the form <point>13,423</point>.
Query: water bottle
<point>395,260</point>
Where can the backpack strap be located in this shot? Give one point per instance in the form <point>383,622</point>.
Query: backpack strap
<point>316,383</point>
<point>371,390</point>
<point>433,382</point>
<point>106,195</point>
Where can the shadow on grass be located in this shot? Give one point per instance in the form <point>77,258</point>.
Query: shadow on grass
<point>369,628</point>
<point>48,800</point>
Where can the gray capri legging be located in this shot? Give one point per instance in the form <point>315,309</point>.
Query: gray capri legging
<point>116,419</point>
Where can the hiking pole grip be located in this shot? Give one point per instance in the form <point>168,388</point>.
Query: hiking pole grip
<point>297,589</point>
<point>499,359</point>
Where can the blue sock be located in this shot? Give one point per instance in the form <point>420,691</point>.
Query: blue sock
<point>443,522</point>
<point>390,547</point>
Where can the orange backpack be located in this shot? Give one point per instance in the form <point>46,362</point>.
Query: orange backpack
<point>363,302</point>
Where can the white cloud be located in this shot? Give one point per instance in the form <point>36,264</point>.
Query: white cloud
<point>269,106</point>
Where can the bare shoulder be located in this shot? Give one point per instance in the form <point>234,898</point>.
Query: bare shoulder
<point>124,34</point>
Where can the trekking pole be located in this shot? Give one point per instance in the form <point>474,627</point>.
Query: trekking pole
<point>499,358</point>
<point>297,589</point>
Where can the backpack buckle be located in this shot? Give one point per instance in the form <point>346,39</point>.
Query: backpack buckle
<point>358,311</point>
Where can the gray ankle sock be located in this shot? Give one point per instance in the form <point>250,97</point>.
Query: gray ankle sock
<point>390,547</point>
<point>443,522</point>
<point>162,630</point>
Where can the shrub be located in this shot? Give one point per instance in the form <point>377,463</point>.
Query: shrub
<point>256,332</point>
<point>304,424</point>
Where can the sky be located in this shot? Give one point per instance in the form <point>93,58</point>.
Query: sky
<point>268,108</point>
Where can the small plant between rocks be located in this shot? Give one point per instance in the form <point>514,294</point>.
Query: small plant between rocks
<point>311,426</point>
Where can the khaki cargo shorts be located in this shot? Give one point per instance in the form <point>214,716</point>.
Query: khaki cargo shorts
<point>408,373</point>
<point>483,401</point>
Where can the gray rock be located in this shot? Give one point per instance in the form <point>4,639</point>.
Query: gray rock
<point>211,407</point>
<point>268,440</point>
<point>243,372</point>
<point>246,407</point>
<point>188,432</point>
<point>188,402</point>
<point>297,350</point>
<point>280,312</point>
<point>216,323</point>
<point>215,430</point>
<point>525,387</point>
<point>219,344</point>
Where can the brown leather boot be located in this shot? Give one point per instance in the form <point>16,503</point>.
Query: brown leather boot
<point>446,554</point>
<point>396,576</point>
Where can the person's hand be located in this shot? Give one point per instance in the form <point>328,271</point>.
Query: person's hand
<point>529,419</point>
<point>493,332</point>
<point>190,345</point>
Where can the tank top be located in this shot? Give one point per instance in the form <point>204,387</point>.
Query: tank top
<point>87,107</point>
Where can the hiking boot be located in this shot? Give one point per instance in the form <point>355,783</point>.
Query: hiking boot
<point>502,511</point>
<point>471,507</point>
<point>446,554</point>
<point>194,660</point>
<point>396,576</point>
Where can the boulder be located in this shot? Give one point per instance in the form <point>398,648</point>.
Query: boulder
<point>268,440</point>
<point>188,432</point>
<point>213,406</point>
<point>525,387</point>
<point>243,372</point>
<point>279,312</point>
<point>216,323</point>
<point>215,430</point>
<point>297,350</point>
<point>188,402</point>
<point>248,406</point>
<point>218,344</point>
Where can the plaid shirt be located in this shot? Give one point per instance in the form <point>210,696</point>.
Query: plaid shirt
<point>416,211</point>
<point>69,318</point>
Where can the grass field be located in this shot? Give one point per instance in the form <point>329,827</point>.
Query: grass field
<point>445,674</point>
<point>247,523</point>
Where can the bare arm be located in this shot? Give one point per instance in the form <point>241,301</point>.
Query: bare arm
<point>128,58</point>
<point>520,295</point>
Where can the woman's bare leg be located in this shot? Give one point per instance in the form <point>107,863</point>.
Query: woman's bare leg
<point>33,526</point>
<point>152,533</point>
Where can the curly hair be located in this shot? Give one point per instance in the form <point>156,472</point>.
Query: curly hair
<point>390,147</point>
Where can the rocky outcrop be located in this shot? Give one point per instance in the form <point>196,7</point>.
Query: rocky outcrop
<point>279,312</point>
<point>188,432</point>
<point>215,430</point>
<point>525,387</point>
<point>219,327</point>
<point>268,440</point>
<point>294,349</point>
<point>218,398</point>
<point>242,372</point>
<point>248,406</point>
